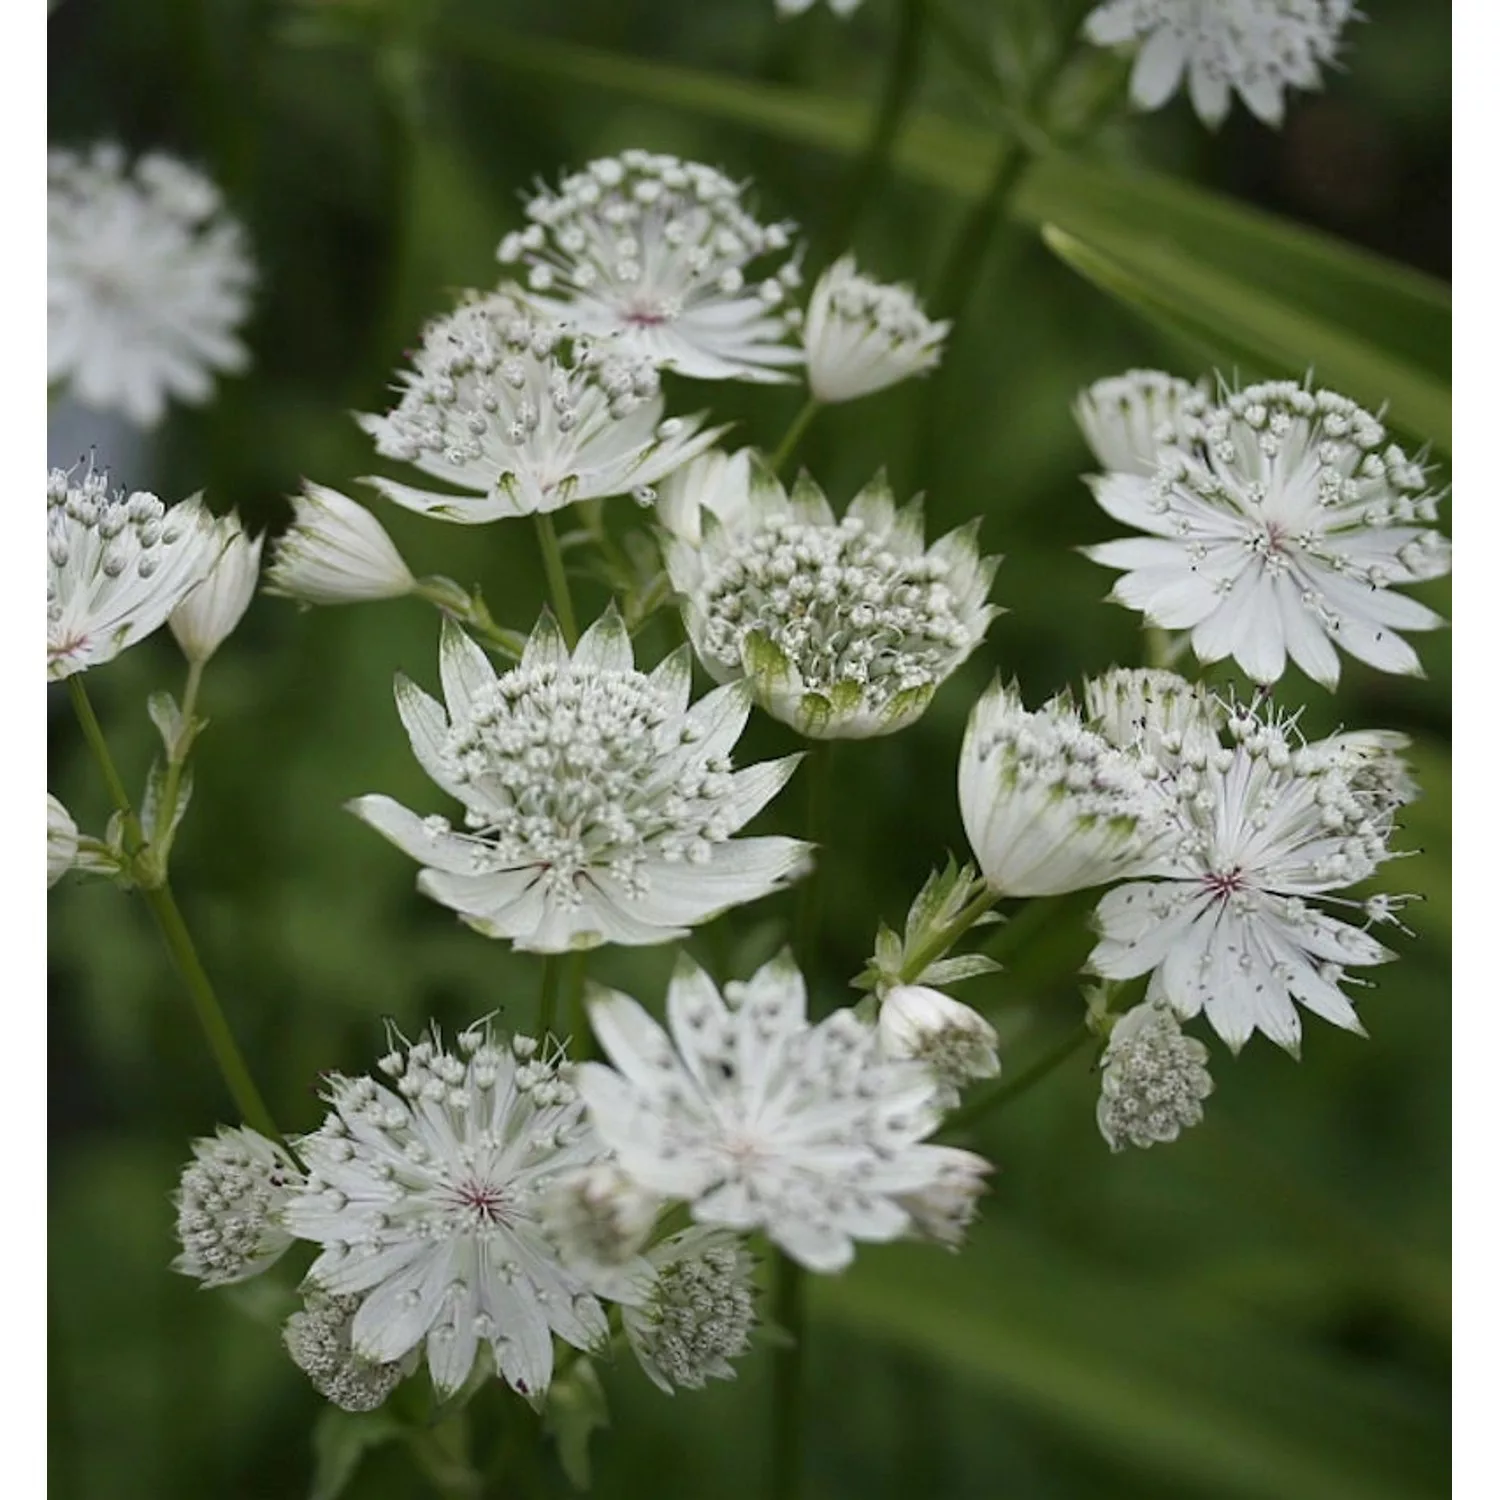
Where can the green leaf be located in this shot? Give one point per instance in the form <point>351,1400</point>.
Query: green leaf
<point>576,1409</point>
<point>340,1440</point>
<point>953,970</point>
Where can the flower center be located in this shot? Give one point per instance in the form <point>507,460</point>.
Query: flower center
<point>1222,884</point>
<point>484,1203</point>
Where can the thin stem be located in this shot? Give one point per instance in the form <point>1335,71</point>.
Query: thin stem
<point>578,1020</point>
<point>176,760</point>
<point>896,96</point>
<point>786,1382</point>
<point>557,578</point>
<point>800,424</point>
<point>940,942</point>
<point>89,723</point>
<point>1006,1093</point>
<point>546,1013</point>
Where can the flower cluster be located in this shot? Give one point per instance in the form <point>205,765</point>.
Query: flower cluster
<point>229,1207</point>
<point>1153,1079</point>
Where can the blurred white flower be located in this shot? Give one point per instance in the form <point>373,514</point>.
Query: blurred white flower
<point>599,1219</point>
<point>657,253</point>
<point>147,282</point>
<point>845,627</point>
<point>527,416</point>
<point>229,1207</point>
<point>1049,804</point>
<point>318,1340</point>
<point>843,8</point>
<point>952,1040</point>
<point>1127,419</point>
<point>715,483</point>
<point>424,1197</point>
<point>335,552</point>
<point>207,616</point>
<point>863,335</point>
<point>1254,48</point>
<point>600,808</point>
<point>757,1120</point>
<point>1264,832</point>
<point>1278,531</point>
<point>1153,1079</point>
<point>62,841</point>
<point>942,1209</point>
<point>117,566</point>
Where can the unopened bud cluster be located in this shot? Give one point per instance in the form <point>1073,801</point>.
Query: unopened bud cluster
<point>317,1338</point>
<point>1154,1079</point>
<point>229,1205</point>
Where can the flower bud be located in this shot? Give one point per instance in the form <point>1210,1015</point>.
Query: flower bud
<point>1126,418</point>
<point>1153,1080</point>
<point>317,1338</point>
<point>598,1217</point>
<point>955,1042</point>
<point>228,1207</point>
<point>62,841</point>
<point>335,552</point>
<point>207,616</point>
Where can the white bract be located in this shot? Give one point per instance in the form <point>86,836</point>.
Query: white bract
<point>229,1207</point>
<point>1153,1079</point>
<point>600,808</point>
<point>526,416</point>
<point>1279,530</point>
<point>845,627</point>
<point>697,1316</point>
<point>715,483</point>
<point>424,1197</point>
<point>318,1340</point>
<point>208,615</point>
<point>658,253</point>
<point>1048,803</point>
<point>62,841</point>
<point>758,1120</point>
<point>147,282</point>
<point>1257,49</point>
<point>1127,419</point>
<point>952,1040</point>
<point>335,552</point>
<point>863,335</point>
<point>1265,830</point>
<point>117,566</point>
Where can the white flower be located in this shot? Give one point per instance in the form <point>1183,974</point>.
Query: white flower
<point>1153,1079</point>
<point>424,1198</point>
<point>207,616</point>
<point>699,1312</point>
<point>318,1340</point>
<point>1255,48</point>
<point>657,252</point>
<point>229,1207</point>
<point>62,841</point>
<point>1265,831</point>
<point>845,627</point>
<point>1155,714</point>
<point>1278,531</point>
<point>841,8</point>
<point>1048,804</point>
<point>117,566</point>
<point>147,281</point>
<point>335,552</point>
<point>954,1042</point>
<point>599,806</point>
<point>526,416</point>
<point>758,1120</point>
<point>716,483</point>
<point>944,1207</point>
<point>1127,419</point>
<point>598,1219</point>
<point>862,335</point>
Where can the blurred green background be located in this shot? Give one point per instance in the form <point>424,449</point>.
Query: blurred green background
<point>1260,1310</point>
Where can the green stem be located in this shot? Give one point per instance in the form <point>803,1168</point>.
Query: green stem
<point>1006,1093</point>
<point>800,424</point>
<point>578,1020</point>
<point>557,578</point>
<point>896,96</point>
<point>941,941</point>
<point>810,898</point>
<point>176,760</point>
<point>546,1014</point>
<point>163,904</point>
<point>786,1382</point>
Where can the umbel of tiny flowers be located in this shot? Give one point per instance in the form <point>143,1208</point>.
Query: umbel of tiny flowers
<point>947,1037</point>
<point>696,1312</point>
<point>424,1196</point>
<point>863,335</point>
<point>117,566</point>
<point>1127,419</point>
<point>229,1207</point>
<point>335,552</point>
<point>208,615</point>
<point>845,628</point>
<point>1048,803</point>
<point>1153,1079</point>
<point>526,416</point>
<point>1276,530</point>
<point>1156,715</point>
<point>599,807</point>
<point>757,1120</point>
<point>1254,48</point>
<point>148,280</point>
<point>1264,830</point>
<point>318,1340</point>
<point>715,483</point>
<point>62,841</point>
<point>658,253</point>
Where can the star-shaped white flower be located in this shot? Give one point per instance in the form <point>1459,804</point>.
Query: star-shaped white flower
<point>600,808</point>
